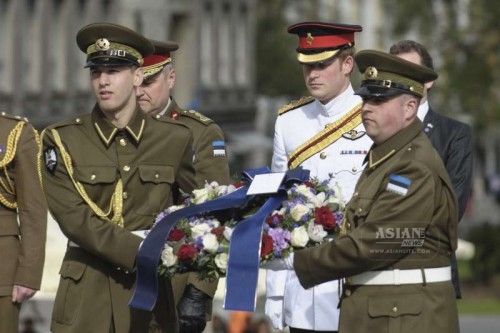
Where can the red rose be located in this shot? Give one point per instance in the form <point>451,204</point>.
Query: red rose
<point>239,184</point>
<point>176,235</point>
<point>218,232</point>
<point>309,184</point>
<point>187,252</point>
<point>325,217</point>
<point>267,245</point>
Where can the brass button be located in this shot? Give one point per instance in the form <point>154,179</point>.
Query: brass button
<point>92,177</point>
<point>323,155</point>
<point>349,225</point>
<point>125,195</point>
<point>158,116</point>
<point>126,168</point>
<point>355,194</point>
<point>360,210</point>
<point>354,169</point>
<point>123,142</point>
<point>78,120</point>
<point>157,176</point>
<point>348,292</point>
<point>395,309</point>
<point>409,148</point>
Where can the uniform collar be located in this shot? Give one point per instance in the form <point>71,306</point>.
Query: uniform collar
<point>379,153</point>
<point>339,104</point>
<point>107,131</point>
<point>166,110</point>
<point>422,110</point>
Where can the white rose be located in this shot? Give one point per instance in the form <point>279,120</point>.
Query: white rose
<point>168,258</point>
<point>298,211</point>
<point>200,196</point>
<point>210,243</point>
<point>228,232</point>
<point>299,237</point>
<point>221,261</point>
<point>200,229</point>
<point>318,199</point>
<point>316,232</point>
<point>334,203</point>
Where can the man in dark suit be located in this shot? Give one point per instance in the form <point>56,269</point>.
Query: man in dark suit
<point>452,139</point>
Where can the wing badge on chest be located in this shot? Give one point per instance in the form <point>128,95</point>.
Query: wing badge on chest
<point>353,134</point>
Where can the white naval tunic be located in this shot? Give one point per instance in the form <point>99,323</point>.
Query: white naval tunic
<point>315,308</point>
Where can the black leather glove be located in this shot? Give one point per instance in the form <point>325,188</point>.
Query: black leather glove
<point>192,310</point>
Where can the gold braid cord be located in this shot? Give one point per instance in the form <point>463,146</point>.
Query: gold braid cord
<point>116,202</point>
<point>10,152</point>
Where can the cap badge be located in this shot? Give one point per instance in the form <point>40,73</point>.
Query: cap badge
<point>309,38</point>
<point>371,72</point>
<point>102,44</point>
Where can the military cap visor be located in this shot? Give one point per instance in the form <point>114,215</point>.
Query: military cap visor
<point>389,75</point>
<point>320,41</point>
<point>154,63</point>
<point>108,44</point>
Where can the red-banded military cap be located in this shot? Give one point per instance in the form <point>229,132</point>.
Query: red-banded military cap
<point>109,44</point>
<point>155,62</point>
<point>385,74</point>
<point>320,41</point>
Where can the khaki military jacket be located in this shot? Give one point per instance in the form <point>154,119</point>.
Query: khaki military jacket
<point>210,156</point>
<point>211,164</point>
<point>21,198</point>
<point>93,174</point>
<point>404,185</point>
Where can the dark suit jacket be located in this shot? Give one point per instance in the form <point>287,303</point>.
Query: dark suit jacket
<point>452,140</point>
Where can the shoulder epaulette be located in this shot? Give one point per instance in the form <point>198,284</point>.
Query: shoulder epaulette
<point>196,116</point>
<point>13,117</point>
<point>295,104</point>
<point>67,122</point>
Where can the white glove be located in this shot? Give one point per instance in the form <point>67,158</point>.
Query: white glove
<point>274,311</point>
<point>279,264</point>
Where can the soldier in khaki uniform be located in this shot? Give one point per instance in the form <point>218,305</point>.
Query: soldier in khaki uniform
<point>192,296</point>
<point>401,224</point>
<point>107,175</point>
<point>23,218</point>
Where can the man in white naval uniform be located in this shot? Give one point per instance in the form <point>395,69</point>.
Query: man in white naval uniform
<point>324,134</point>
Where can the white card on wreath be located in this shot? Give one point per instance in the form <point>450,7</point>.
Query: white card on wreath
<point>266,183</point>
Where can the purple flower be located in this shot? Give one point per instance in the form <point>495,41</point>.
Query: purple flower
<point>281,238</point>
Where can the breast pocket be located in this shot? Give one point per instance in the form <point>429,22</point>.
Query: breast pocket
<point>156,188</point>
<point>98,181</point>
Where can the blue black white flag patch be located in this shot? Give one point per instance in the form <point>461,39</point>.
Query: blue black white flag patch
<point>219,148</point>
<point>398,184</point>
<point>50,158</point>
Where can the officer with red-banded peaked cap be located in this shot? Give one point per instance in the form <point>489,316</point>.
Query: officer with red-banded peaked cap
<point>154,63</point>
<point>109,44</point>
<point>320,41</point>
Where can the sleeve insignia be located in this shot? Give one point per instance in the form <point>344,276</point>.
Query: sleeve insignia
<point>50,158</point>
<point>219,148</point>
<point>295,104</point>
<point>398,184</point>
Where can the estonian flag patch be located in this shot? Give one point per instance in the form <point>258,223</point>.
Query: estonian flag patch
<point>219,148</point>
<point>398,184</point>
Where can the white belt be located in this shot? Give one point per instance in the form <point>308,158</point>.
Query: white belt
<point>402,276</point>
<point>140,233</point>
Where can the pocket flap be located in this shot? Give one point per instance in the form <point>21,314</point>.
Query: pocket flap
<point>73,270</point>
<point>157,173</point>
<point>395,305</point>
<point>95,175</point>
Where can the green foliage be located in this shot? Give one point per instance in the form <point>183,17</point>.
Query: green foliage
<point>278,72</point>
<point>464,40</point>
<point>485,263</point>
